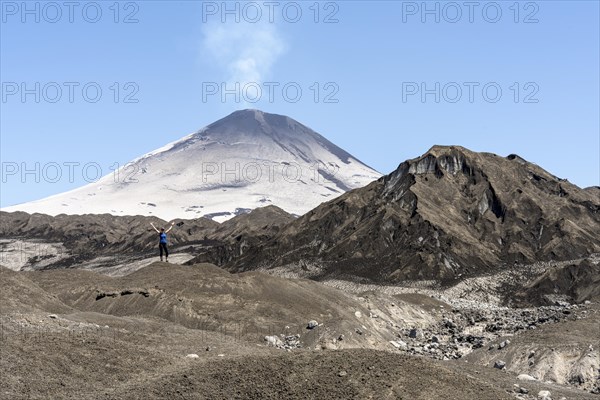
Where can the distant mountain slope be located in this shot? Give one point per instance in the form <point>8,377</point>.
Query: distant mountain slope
<point>246,160</point>
<point>448,214</point>
<point>575,283</point>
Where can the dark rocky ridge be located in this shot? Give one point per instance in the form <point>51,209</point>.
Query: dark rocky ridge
<point>449,214</point>
<point>92,235</point>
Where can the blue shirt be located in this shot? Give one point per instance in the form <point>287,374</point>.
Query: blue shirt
<point>163,238</point>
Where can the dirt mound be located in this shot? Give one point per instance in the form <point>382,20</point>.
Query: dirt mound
<point>19,294</point>
<point>90,355</point>
<point>446,215</point>
<point>140,363</point>
<point>347,374</point>
<point>203,296</point>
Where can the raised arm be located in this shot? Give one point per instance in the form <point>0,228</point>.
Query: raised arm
<point>157,231</point>
<point>171,227</point>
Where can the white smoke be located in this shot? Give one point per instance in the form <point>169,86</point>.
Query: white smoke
<point>247,51</point>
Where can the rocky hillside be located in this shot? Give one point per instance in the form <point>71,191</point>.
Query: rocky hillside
<point>449,214</point>
<point>574,282</point>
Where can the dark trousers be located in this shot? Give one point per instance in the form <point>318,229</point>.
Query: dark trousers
<point>163,246</point>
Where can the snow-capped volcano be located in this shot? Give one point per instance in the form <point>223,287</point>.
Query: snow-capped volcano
<point>246,160</point>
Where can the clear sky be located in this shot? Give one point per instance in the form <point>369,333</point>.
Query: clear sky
<point>87,86</point>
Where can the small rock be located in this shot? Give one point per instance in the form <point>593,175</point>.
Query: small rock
<point>312,324</point>
<point>435,339</point>
<point>449,323</point>
<point>273,341</point>
<point>503,344</point>
<point>359,331</point>
<point>53,316</point>
<point>523,390</point>
<point>340,338</point>
<point>192,356</point>
<point>499,364</point>
<point>342,373</point>
<point>544,395</point>
<point>357,314</point>
<point>399,344</point>
<point>525,377</point>
<point>220,355</point>
<point>577,378</point>
<point>531,354</point>
<point>207,348</point>
<point>416,333</point>
<point>587,302</point>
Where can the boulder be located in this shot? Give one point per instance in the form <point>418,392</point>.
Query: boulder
<point>500,364</point>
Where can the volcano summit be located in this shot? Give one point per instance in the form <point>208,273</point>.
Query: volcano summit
<point>246,160</point>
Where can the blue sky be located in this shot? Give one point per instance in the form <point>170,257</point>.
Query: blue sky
<point>362,68</point>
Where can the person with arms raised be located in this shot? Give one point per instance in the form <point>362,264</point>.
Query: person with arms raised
<point>162,242</point>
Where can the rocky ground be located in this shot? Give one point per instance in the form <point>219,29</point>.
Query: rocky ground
<point>199,332</point>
